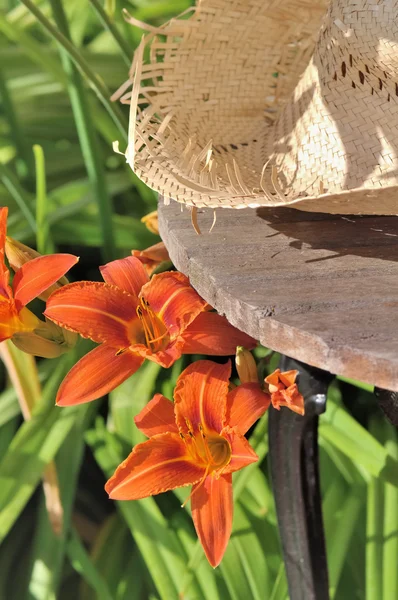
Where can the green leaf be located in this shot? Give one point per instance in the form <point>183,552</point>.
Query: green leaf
<point>49,548</point>
<point>129,398</point>
<point>244,565</point>
<point>279,591</point>
<point>9,407</point>
<point>374,525</point>
<point>390,529</point>
<point>346,434</point>
<point>340,541</point>
<point>82,563</point>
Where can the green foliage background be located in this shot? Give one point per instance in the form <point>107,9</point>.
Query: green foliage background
<point>60,61</point>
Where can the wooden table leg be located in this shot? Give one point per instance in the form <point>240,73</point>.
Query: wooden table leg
<point>388,402</point>
<point>293,451</point>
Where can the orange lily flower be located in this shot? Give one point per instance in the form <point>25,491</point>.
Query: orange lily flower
<point>280,387</point>
<point>284,391</point>
<point>134,318</point>
<point>152,257</point>
<point>30,281</point>
<point>199,441</point>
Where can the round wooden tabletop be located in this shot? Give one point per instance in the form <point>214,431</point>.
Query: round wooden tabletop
<point>320,288</point>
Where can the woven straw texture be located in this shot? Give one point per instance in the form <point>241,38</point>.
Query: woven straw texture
<point>270,102</point>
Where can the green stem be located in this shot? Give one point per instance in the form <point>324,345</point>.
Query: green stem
<point>59,34</point>
<point>111,27</point>
<point>43,241</point>
<point>87,134</point>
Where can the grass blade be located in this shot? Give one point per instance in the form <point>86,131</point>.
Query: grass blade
<point>87,134</point>
<point>82,563</point>
<point>32,48</point>
<point>339,428</point>
<point>107,22</point>
<point>98,86</point>
<point>21,197</point>
<point>43,241</point>
<point>340,541</point>
<point>390,531</point>
<point>23,158</point>
<point>374,526</point>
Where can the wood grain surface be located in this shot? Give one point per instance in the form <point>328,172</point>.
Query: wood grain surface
<point>322,289</point>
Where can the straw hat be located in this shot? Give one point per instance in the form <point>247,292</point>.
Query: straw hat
<point>270,102</point>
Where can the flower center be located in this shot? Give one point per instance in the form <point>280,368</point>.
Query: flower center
<point>210,450</point>
<point>155,331</point>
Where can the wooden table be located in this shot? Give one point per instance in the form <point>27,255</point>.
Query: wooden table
<point>320,289</point>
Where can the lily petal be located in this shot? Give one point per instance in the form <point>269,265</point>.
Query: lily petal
<point>200,395</point>
<point>155,466</point>
<point>211,334</point>
<point>212,514</point>
<point>242,454</point>
<point>35,276</point>
<point>245,404</point>
<point>172,298</point>
<point>157,417</point>
<point>128,274</point>
<point>288,377</point>
<point>96,374</point>
<point>101,312</point>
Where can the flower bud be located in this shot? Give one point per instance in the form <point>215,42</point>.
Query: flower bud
<point>47,340</point>
<point>151,222</point>
<point>18,254</point>
<point>246,366</point>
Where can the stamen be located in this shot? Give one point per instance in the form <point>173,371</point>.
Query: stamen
<point>154,329</point>
<point>202,433</point>
<point>121,351</point>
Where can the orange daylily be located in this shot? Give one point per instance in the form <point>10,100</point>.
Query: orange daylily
<point>152,257</point>
<point>199,441</point>
<point>30,281</point>
<point>279,387</point>
<point>134,318</point>
<point>284,391</point>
